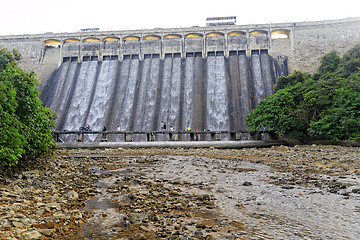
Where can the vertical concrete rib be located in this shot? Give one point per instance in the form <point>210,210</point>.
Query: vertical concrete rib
<point>182,91</point>
<point>246,95</point>
<point>232,93</point>
<point>204,94</point>
<point>198,116</point>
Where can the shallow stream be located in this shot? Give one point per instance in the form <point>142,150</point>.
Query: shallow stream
<point>264,203</point>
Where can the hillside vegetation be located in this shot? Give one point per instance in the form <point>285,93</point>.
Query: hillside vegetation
<point>24,122</point>
<point>325,105</point>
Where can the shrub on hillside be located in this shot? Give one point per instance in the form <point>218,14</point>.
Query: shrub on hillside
<point>324,105</point>
<point>24,122</point>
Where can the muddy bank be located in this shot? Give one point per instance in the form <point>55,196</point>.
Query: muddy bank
<point>280,192</point>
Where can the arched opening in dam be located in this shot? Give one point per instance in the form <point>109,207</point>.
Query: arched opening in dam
<point>111,39</point>
<point>258,32</point>
<point>52,43</point>
<point>91,39</point>
<point>193,35</point>
<point>280,34</point>
<point>131,38</point>
<point>172,36</point>
<point>152,37</point>
<point>72,40</point>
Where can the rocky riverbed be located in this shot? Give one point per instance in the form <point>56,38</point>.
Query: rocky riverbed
<point>301,192</point>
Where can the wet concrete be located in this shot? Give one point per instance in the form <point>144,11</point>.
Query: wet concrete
<point>173,144</point>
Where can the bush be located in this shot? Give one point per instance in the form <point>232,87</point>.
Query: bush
<point>24,125</point>
<point>325,105</point>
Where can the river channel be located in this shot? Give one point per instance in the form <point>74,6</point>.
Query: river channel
<point>198,197</point>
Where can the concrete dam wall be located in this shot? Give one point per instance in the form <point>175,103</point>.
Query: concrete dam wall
<point>202,77</point>
<point>215,93</point>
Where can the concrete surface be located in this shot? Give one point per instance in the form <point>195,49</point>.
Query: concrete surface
<point>172,144</point>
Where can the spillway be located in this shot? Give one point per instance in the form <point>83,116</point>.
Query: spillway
<point>214,93</point>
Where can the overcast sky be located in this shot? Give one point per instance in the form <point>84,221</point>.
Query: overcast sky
<point>39,16</point>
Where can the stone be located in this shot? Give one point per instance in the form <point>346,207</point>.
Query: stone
<point>204,197</point>
<point>53,206</point>
<point>201,225</point>
<point>46,232</point>
<point>59,217</point>
<point>198,234</point>
<point>77,214</point>
<point>247,184</point>
<point>72,195</point>
<point>356,190</point>
<point>40,205</point>
<point>18,224</point>
<point>32,235</point>
<point>138,218</point>
<point>4,225</point>
<point>27,221</point>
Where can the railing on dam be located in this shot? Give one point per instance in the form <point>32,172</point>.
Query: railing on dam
<point>126,136</point>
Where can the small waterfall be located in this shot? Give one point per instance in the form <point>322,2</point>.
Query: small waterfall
<point>217,114</point>
<point>174,100</point>
<point>100,101</point>
<point>233,86</point>
<point>165,92</point>
<point>267,73</point>
<point>245,90</point>
<point>63,92</point>
<point>188,102</point>
<point>215,93</point>
<point>121,88</point>
<point>77,110</point>
<point>143,88</point>
<point>152,94</point>
<point>51,91</point>
<point>259,86</point>
<point>128,86</point>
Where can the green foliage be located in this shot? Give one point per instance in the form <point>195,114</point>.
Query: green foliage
<point>8,58</point>
<point>324,105</point>
<point>273,114</point>
<point>342,120</point>
<point>24,122</point>
<point>11,141</point>
<point>328,64</point>
<point>351,61</point>
<point>290,80</point>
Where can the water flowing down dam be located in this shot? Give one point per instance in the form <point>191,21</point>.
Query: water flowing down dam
<point>214,93</point>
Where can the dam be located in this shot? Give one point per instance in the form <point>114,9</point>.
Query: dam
<point>205,78</point>
<point>215,93</point>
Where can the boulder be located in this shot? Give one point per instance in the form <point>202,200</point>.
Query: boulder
<point>72,195</point>
<point>32,235</point>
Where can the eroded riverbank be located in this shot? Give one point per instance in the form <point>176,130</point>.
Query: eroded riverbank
<point>302,192</point>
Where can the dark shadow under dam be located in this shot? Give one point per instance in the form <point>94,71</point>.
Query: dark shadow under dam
<point>215,93</point>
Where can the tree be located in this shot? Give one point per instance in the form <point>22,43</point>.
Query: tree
<point>7,57</point>
<point>24,122</point>
<point>11,141</point>
<point>326,104</point>
<point>274,114</point>
<point>328,64</point>
<point>342,120</point>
